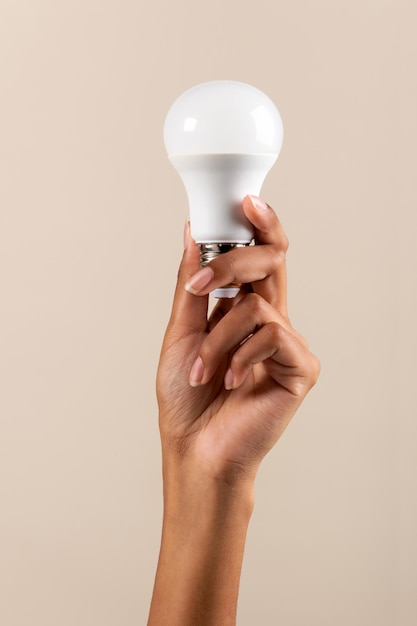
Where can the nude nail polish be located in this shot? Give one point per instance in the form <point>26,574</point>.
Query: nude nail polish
<point>259,204</point>
<point>200,280</point>
<point>229,379</point>
<point>197,372</point>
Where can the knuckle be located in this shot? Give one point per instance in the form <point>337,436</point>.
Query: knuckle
<point>274,331</point>
<point>237,360</point>
<point>229,268</point>
<point>254,302</point>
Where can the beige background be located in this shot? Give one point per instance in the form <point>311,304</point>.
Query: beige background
<point>91,217</point>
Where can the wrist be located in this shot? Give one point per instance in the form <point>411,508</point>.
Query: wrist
<point>193,489</point>
<point>194,454</point>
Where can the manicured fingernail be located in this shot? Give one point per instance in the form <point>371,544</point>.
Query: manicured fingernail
<point>229,379</point>
<point>199,280</point>
<point>259,204</point>
<point>197,372</point>
<point>186,234</point>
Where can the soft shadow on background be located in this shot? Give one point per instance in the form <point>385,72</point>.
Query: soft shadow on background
<point>91,218</point>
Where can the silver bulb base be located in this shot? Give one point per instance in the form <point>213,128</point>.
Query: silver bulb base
<point>208,252</point>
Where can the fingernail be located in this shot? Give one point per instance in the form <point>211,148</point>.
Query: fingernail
<point>186,234</point>
<point>229,379</point>
<point>197,372</point>
<point>200,280</point>
<point>259,204</point>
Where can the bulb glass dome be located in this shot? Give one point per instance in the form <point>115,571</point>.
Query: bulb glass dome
<point>223,117</point>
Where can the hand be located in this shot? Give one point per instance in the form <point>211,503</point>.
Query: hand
<point>229,384</point>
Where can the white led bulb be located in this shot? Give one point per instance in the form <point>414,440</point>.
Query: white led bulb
<point>222,137</point>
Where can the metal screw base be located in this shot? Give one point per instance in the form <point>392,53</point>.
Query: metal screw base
<point>208,252</point>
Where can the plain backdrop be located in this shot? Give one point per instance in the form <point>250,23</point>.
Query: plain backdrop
<point>91,219</point>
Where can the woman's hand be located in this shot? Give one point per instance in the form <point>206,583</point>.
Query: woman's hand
<point>227,386</point>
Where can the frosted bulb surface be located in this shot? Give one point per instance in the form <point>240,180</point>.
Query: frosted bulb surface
<point>222,137</point>
<point>223,117</point>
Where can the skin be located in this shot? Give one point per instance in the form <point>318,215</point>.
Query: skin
<point>227,387</point>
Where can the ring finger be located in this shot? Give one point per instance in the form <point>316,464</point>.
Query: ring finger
<point>246,318</point>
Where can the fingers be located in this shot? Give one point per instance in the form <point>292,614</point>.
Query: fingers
<point>245,318</point>
<point>269,231</point>
<point>189,314</point>
<point>285,359</point>
<point>259,268</point>
<point>262,266</point>
<point>268,228</point>
<point>242,265</point>
<point>251,332</point>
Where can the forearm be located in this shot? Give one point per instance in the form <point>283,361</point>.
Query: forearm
<point>203,539</point>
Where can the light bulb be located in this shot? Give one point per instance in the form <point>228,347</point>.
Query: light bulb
<point>222,137</point>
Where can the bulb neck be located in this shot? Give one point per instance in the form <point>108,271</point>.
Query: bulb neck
<point>208,252</point>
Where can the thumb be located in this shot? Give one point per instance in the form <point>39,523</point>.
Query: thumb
<point>189,312</point>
